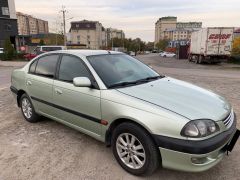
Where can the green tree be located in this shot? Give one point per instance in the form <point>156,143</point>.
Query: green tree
<point>9,50</point>
<point>150,46</point>
<point>162,44</point>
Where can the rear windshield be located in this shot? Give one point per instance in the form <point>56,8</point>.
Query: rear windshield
<point>51,48</point>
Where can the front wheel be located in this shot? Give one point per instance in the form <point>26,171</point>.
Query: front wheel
<point>28,110</point>
<point>134,149</point>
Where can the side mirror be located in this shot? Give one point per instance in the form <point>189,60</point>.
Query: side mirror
<point>82,82</point>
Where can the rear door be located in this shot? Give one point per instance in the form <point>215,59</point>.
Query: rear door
<point>39,82</point>
<point>79,106</point>
<point>225,42</point>
<point>219,41</point>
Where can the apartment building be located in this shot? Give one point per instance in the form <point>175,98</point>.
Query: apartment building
<point>29,25</point>
<point>8,22</point>
<point>169,28</point>
<point>177,34</point>
<point>163,23</point>
<point>89,33</point>
<point>115,33</point>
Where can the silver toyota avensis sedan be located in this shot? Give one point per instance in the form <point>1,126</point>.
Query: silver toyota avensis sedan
<point>148,119</point>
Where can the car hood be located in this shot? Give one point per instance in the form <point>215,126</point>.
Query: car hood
<point>182,98</point>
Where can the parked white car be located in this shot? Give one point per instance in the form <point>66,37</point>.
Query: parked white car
<point>132,53</point>
<point>167,54</point>
<point>1,50</point>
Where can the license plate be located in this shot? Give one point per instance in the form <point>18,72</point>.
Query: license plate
<point>231,145</point>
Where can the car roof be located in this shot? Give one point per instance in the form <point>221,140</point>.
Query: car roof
<point>87,52</point>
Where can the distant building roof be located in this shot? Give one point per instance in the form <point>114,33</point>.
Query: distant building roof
<point>181,29</point>
<point>84,24</point>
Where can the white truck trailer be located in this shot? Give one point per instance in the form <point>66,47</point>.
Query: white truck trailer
<point>211,44</point>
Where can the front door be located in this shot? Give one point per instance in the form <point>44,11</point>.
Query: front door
<point>79,106</point>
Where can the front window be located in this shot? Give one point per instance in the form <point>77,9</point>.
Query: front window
<point>72,67</point>
<point>121,68</point>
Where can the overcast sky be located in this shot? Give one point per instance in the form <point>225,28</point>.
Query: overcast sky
<point>135,17</point>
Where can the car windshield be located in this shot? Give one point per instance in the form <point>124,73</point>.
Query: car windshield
<point>121,70</point>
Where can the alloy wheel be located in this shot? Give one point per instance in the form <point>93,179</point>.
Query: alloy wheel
<point>26,108</point>
<point>131,151</point>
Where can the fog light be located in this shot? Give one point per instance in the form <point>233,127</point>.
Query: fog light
<point>200,160</point>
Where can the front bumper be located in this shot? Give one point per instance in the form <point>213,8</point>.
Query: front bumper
<point>183,161</point>
<point>196,156</point>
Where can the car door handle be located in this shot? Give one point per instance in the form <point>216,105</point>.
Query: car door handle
<point>58,91</point>
<point>29,83</point>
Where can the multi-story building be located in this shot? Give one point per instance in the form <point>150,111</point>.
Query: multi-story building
<point>168,28</point>
<point>89,33</point>
<point>115,33</point>
<point>189,25</point>
<point>177,34</point>
<point>29,25</point>
<point>162,24</point>
<point>8,22</point>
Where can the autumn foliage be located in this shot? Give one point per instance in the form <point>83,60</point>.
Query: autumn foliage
<point>236,46</point>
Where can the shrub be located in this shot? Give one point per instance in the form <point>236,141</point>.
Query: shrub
<point>9,50</point>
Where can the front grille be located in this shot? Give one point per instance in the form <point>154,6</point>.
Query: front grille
<point>229,120</point>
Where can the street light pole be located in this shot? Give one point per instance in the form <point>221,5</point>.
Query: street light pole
<point>112,39</point>
<point>64,24</point>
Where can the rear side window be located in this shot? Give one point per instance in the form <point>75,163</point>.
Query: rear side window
<point>33,67</point>
<point>46,66</point>
<point>72,67</point>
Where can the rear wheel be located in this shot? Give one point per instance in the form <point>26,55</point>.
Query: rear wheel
<point>196,59</point>
<point>28,110</point>
<point>189,57</point>
<point>201,58</point>
<point>134,149</point>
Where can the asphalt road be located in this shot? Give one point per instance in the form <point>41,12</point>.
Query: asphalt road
<point>49,150</point>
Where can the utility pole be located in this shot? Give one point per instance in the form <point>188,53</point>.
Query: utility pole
<point>112,39</point>
<point>63,11</point>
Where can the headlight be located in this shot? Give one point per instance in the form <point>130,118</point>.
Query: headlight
<point>199,128</point>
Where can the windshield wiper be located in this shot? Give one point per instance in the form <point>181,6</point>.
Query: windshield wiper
<point>122,84</point>
<point>150,78</point>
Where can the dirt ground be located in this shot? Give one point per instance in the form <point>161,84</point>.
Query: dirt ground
<point>49,150</point>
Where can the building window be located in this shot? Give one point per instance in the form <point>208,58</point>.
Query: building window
<point>5,11</point>
<point>78,37</point>
<point>8,27</point>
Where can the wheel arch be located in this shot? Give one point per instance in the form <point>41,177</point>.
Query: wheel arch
<point>19,94</point>
<point>119,121</point>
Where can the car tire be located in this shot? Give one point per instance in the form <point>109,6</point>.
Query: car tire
<point>189,58</point>
<point>200,61</point>
<point>143,147</point>
<point>196,59</point>
<point>28,110</point>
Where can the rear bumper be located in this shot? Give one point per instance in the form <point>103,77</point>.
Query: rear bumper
<point>195,156</point>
